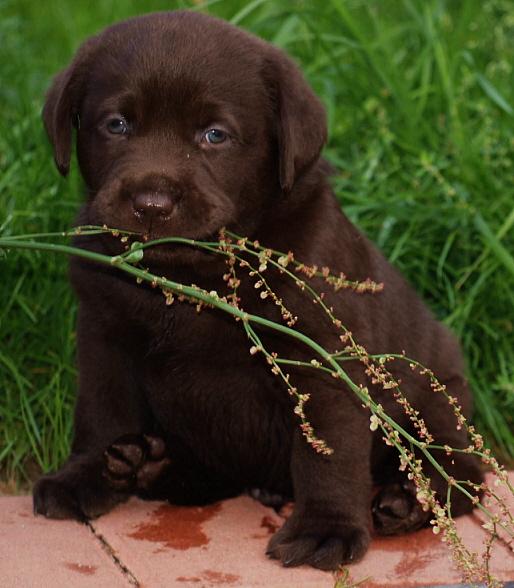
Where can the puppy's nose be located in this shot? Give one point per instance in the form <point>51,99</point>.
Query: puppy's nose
<point>152,206</point>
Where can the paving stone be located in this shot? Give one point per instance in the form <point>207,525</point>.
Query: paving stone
<point>224,544</point>
<point>38,553</point>
<point>218,545</point>
<point>221,544</point>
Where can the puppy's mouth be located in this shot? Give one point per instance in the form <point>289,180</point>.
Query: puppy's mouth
<point>162,239</point>
<point>175,246</point>
<point>165,250</point>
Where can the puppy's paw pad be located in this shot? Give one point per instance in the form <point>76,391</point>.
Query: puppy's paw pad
<point>156,447</point>
<point>150,471</point>
<point>396,510</point>
<point>323,550</point>
<point>123,460</point>
<point>134,462</point>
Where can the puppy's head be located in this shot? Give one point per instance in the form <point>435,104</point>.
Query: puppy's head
<point>185,124</point>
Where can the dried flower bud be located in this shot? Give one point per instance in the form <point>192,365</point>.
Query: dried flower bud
<point>374,422</point>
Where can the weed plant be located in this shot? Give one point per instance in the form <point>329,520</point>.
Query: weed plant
<point>252,260</point>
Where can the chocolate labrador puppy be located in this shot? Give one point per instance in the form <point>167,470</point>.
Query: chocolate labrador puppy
<point>184,125</point>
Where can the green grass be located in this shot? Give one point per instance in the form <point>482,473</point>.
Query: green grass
<point>421,113</point>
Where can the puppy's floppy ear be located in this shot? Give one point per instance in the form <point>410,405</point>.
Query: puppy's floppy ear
<point>58,119</point>
<point>301,119</point>
<point>61,106</point>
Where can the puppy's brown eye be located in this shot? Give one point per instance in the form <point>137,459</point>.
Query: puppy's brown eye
<point>215,136</point>
<point>117,126</point>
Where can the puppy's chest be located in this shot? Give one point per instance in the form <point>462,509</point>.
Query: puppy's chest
<point>206,350</point>
<point>184,329</point>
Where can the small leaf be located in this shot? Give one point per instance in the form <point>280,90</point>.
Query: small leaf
<point>134,256</point>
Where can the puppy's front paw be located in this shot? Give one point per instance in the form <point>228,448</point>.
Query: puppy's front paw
<point>396,510</point>
<point>55,500</point>
<point>135,462</point>
<point>77,491</point>
<point>324,542</point>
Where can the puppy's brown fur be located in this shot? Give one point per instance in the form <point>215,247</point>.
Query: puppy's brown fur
<point>166,372</point>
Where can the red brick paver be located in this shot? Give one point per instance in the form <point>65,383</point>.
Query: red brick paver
<point>156,545</point>
<point>221,544</point>
<point>37,553</point>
